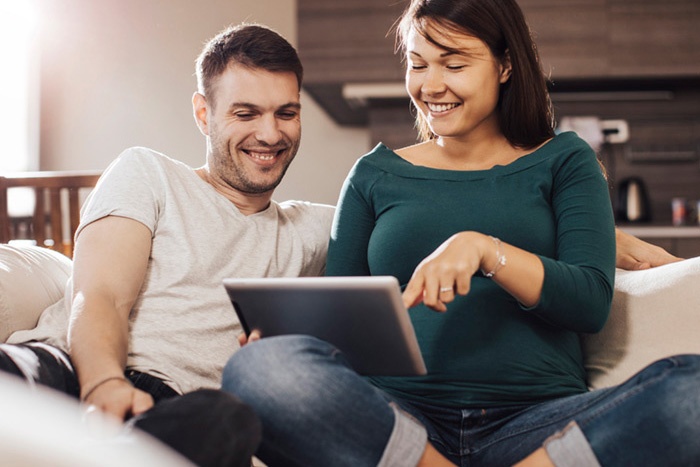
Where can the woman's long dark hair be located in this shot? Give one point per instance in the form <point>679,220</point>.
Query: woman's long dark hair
<point>525,111</point>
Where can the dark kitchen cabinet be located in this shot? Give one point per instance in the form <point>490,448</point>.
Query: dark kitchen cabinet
<point>616,38</point>
<point>347,41</point>
<point>571,36</point>
<point>344,41</point>
<point>654,39</point>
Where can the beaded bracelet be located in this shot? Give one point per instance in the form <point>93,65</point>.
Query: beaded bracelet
<point>500,259</point>
<point>100,383</point>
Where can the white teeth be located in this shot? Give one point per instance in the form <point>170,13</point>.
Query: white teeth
<point>262,156</point>
<point>440,107</point>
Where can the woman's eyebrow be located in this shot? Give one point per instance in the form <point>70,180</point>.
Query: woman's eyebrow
<point>446,53</point>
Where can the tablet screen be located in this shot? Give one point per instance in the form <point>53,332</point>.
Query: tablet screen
<point>364,317</point>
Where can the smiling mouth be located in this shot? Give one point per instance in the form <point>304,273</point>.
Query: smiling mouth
<point>263,155</point>
<point>438,108</point>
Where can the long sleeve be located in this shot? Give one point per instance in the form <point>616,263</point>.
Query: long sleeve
<point>578,285</point>
<point>350,235</point>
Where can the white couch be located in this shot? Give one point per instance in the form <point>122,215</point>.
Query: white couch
<point>655,313</point>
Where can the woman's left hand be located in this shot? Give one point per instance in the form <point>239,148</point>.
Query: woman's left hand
<point>447,271</point>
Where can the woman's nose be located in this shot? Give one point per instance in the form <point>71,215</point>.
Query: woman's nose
<point>433,82</point>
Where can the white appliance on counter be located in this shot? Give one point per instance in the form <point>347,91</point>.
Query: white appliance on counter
<point>596,131</point>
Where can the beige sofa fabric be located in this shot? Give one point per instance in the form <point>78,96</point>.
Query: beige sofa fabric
<point>655,314</point>
<point>31,279</point>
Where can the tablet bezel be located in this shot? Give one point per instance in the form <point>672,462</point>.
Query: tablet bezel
<point>363,316</point>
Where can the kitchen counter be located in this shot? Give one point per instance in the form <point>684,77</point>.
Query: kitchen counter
<point>662,231</point>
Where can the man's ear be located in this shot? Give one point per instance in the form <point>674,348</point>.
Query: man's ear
<point>200,109</point>
<point>506,68</point>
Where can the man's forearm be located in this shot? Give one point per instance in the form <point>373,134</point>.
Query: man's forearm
<point>106,284</point>
<point>98,341</point>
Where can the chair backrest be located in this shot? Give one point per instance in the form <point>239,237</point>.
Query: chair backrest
<point>47,219</point>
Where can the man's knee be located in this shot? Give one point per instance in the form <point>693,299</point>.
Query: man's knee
<point>209,427</point>
<point>278,355</point>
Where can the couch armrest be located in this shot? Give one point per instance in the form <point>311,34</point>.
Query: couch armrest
<point>655,314</point>
<point>31,279</point>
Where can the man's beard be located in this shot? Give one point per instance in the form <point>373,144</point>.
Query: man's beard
<point>235,175</point>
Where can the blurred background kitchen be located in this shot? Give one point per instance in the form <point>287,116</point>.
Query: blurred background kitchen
<point>84,79</point>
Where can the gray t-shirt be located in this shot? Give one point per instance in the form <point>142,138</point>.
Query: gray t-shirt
<point>182,326</point>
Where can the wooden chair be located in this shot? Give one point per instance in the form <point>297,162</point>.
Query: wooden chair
<point>49,213</point>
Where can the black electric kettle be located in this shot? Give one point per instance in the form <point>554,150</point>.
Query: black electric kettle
<point>632,201</point>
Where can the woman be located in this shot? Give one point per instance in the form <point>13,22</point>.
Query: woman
<point>504,235</point>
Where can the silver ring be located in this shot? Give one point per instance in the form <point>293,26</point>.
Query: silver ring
<point>446,289</point>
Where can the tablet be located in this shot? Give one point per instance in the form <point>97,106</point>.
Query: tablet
<point>364,317</point>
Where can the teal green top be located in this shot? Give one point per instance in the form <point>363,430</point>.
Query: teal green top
<point>487,350</point>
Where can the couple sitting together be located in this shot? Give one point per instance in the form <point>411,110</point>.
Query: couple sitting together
<point>500,230</point>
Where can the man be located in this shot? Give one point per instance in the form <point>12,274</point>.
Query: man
<point>148,318</point>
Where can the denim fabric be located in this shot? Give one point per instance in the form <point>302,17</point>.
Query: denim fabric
<point>209,427</point>
<point>316,411</point>
<point>570,448</point>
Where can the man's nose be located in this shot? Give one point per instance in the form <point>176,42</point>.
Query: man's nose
<point>268,130</point>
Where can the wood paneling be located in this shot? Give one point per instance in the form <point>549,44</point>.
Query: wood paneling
<point>349,40</point>
<point>654,38</point>
<point>571,36</point>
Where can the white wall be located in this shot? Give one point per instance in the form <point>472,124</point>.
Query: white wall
<point>120,73</point>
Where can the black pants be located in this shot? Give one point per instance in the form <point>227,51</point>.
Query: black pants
<point>209,427</point>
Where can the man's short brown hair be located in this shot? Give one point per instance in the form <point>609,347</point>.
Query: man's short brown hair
<point>251,45</point>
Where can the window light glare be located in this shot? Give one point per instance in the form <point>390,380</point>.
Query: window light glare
<point>18,25</point>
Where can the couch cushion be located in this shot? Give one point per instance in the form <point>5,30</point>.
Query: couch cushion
<point>31,279</point>
<point>655,314</point>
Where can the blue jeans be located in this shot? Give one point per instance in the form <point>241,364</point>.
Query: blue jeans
<point>316,411</point>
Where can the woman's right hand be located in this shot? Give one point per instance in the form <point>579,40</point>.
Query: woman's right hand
<point>447,271</point>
